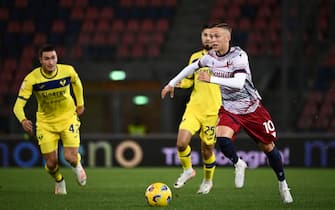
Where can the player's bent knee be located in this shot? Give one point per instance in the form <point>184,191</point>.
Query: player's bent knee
<point>266,147</point>
<point>181,148</point>
<point>51,164</point>
<point>71,158</point>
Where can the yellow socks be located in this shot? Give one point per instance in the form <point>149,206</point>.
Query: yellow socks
<point>209,167</point>
<point>55,173</point>
<point>79,158</point>
<point>185,158</point>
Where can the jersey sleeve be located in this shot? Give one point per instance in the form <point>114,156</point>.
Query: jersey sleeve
<point>188,70</point>
<point>236,82</point>
<point>77,88</point>
<point>240,63</point>
<point>204,61</point>
<point>23,96</point>
<point>189,80</point>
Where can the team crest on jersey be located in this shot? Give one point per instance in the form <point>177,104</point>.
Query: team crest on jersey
<point>229,64</point>
<point>62,82</point>
<point>40,137</point>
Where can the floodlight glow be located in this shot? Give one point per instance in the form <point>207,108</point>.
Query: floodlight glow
<point>117,75</point>
<point>140,100</point>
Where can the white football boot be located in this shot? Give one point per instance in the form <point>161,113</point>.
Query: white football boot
<point>184,177</point>
<point>80,174</point>
<point>205,187</point>
<point>240,167</point>
<point>60,188</point>
<point>285,192</point>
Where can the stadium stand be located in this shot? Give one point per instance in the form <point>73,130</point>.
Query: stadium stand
<point>82,26</point>
<point>249,19</point>
<point>318,111</point>
<point>319,103</point>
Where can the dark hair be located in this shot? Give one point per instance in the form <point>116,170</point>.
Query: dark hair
<point>46,48</point>
<point>205,26</point>
<point>224,26</point>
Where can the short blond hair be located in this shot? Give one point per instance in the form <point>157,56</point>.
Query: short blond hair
<point>224,26</point>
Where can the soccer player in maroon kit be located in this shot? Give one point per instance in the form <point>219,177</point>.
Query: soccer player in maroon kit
<point>241,102</point>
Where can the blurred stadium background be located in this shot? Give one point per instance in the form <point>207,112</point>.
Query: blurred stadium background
<point>290,44</point>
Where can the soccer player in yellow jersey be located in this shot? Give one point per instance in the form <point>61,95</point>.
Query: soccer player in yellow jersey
<point>57,114</point>
<point>200,115</point>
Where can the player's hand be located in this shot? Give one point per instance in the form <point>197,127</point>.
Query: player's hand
<point>204,76</point>
<point>27,125</point>
<point>80,110</point>
<point>167,89</point>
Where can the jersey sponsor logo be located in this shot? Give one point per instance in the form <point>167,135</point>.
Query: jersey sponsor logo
<point>223,74</point>
<point>53,94</point>
<point>203,69</point>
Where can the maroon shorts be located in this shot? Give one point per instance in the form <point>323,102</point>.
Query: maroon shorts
<point>257,124</point>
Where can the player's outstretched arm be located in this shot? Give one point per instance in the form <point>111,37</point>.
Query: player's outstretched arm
<point>184,73</point>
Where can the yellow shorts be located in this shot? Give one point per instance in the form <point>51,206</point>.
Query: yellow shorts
<point>205,124</point>
<point>49,135</point>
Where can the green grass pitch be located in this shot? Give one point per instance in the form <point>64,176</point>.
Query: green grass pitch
<point>120,188</point>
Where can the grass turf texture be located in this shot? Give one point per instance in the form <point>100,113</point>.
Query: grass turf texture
<point>118,188</point>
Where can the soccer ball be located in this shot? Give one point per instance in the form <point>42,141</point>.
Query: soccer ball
<point>158,194</point>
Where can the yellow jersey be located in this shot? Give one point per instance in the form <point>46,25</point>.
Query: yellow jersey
<point>205,97</point>
<point>53,94</point>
